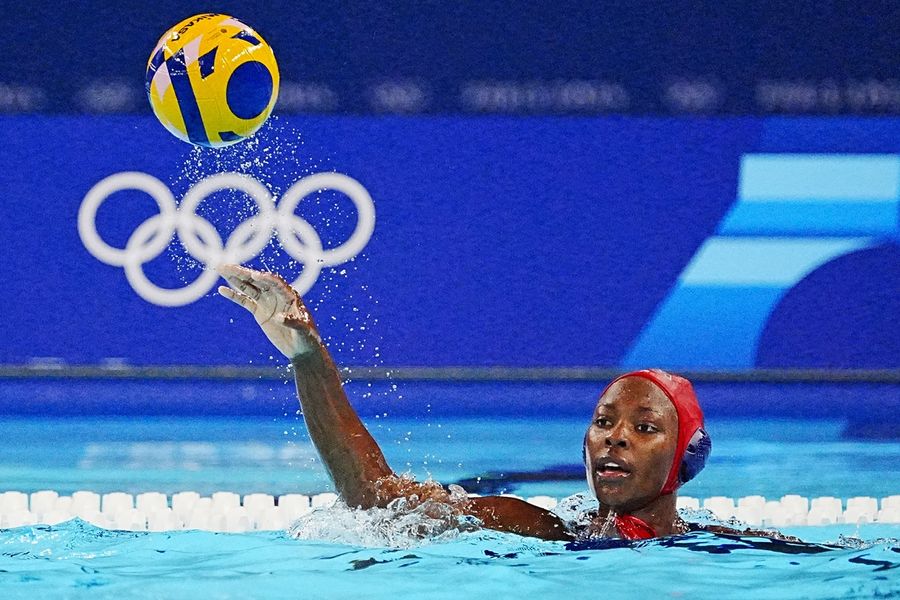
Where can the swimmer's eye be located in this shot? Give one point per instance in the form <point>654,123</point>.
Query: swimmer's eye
<point>647,428</point>
<point>602,422</point>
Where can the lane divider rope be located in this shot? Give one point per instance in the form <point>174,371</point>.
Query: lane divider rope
<point>229,512</point>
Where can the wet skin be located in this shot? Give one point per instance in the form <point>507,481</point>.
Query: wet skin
<point>630,445</point>
<point>634,426</point>
<point>350,454</point>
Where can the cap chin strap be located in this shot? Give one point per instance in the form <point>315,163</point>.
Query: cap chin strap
<point>632,528</point>
<point>587,468</point>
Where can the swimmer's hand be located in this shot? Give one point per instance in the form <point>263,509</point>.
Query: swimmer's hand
<point>275,305</point>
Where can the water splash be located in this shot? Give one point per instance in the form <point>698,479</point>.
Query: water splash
<point>577,510</point>
<point>402,524</point>
<point>857,543</point>
<point>345,307</point>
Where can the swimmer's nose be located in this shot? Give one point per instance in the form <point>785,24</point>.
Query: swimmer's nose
<point>615,440</point>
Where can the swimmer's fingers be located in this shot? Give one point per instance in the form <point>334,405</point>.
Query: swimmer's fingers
<point>271,295</point>
<point>240,281</point>
<point>237,272</point>
<point>238,298</point>
<point>256,283</point>
<point>275,305</point>
<point>272,282</point>
<point>266,281</point>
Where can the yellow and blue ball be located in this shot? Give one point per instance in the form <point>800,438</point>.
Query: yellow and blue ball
<point>212,81</point>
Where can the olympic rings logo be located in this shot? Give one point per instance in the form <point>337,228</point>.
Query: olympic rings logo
<point>203,242</point>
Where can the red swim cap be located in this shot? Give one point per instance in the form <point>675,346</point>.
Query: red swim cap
<point>690,420</point>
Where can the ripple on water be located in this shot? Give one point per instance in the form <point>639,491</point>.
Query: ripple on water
<point>76,559</point>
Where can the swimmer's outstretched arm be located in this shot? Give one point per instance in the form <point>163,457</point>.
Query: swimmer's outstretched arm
<point>351,456</point>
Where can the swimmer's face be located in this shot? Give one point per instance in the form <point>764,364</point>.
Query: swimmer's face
<point>630,444</point>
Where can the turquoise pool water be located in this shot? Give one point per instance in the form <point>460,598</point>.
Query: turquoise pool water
<point>769,457</point>
<point>75,560</point>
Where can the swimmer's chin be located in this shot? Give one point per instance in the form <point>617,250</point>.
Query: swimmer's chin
<point>613,490</point>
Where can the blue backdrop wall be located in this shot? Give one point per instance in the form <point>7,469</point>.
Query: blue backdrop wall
<point>542,241</point>
<point>353,56</point>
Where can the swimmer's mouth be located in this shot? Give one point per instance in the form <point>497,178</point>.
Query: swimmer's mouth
<point>608,468</point>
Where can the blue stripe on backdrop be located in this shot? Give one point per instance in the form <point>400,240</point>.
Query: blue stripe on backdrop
<point>725,261</point>
<point>814,218</point>
<point>819,177</point>
<point>498,241</point>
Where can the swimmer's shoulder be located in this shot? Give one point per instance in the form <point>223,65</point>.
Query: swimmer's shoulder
<point>515,515</point>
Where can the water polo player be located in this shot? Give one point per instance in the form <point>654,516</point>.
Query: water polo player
<point>646,437</point>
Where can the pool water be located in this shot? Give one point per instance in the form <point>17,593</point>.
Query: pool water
<point>77,560</point>
<point>768,457</point>
<point>247,454</point>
